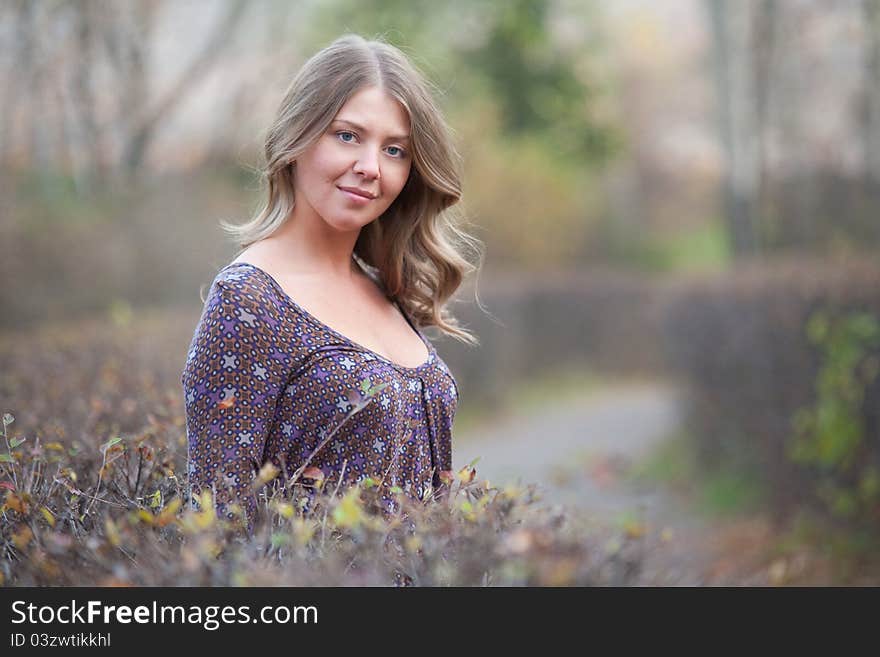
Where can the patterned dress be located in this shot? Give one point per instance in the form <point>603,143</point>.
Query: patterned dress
<point>265,380</point>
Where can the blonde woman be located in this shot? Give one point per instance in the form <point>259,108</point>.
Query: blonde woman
<point>310,351</point>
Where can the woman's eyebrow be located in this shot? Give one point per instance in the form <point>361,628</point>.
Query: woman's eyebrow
<point>363,129</point>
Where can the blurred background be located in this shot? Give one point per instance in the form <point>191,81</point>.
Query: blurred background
<point>680,203</point>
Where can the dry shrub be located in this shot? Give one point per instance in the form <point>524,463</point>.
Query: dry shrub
<point>94,492</point>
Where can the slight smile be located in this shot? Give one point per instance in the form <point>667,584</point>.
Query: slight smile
<point>356,194</point>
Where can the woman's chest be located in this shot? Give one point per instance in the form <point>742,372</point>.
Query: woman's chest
<point>364,317</point>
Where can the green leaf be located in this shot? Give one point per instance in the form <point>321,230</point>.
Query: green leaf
<point>110,443</point>
<point>377,388</point>
<point>817,327</point>
<point>15,442</point>
<point>6,458</point>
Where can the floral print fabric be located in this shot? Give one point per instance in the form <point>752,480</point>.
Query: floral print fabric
<point>264,380</point>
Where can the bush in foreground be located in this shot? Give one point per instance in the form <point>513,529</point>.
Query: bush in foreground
<point>131,526</point>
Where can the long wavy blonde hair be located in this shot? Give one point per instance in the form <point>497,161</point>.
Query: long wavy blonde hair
<point>415,248</point>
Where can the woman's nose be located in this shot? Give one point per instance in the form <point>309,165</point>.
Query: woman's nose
<point>368,163</point>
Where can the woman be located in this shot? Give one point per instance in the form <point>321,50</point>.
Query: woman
<point>309,350</point>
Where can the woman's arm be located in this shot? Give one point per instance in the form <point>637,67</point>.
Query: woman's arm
<point>233,378</point>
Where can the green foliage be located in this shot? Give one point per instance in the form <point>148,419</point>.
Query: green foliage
<point>830,436</point>
<point>725,490</point>
<point>730,492</point>
<point>503,49</point>
<point>703,248</point>
<point>536,86</point>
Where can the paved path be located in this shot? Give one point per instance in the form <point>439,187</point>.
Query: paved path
<point>576,452</point>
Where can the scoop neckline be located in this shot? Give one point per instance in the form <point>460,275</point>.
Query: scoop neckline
<point>305,313</point>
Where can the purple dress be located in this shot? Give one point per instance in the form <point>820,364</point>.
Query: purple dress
<point>266,380</point>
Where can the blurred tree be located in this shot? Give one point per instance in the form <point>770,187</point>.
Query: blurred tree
<point>506,49</point>
<point>535,84</point>
<point>149,115</point>
<point>742,75</point>
<point>871,125</point>
<point>775,66</point>
<point>79,77</point>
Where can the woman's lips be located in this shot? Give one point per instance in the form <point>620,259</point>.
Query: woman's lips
<point>357,198</point>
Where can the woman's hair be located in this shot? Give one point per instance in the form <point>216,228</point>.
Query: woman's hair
<point>415,246</point>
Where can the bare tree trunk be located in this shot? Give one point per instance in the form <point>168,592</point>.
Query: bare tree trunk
<point>871,127</point>
<point>17,74</point>
<point>83,138</point>
<point>39,97</point>
<point>737,103</point>
<point>148,119</point>
<point>126,40</point>
<point>764,51</point>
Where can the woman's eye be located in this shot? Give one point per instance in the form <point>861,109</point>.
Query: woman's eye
<point>343,133</point>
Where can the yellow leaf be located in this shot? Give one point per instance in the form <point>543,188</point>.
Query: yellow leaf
<point>266,474</point>
<point>283,509</point>
<point>304,530</point>
<point>348,513</point>
<point>207,516</point>
<point>22,537</point>
<point>16,503</point>
<point>48,516</point>
<point>466,475</point>
<point>169,513</point>
<point>112,532</point>
<point>634,529</point>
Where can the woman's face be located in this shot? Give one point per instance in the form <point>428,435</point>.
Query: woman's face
<point>366,148</point>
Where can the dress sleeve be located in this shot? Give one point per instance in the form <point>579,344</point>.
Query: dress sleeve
<point>234,375</point>
<point>446,408</point>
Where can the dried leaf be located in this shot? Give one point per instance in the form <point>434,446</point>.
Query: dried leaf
<point>22,537</point>
<point>467,474</point>
<point>16,503</point>
<point>312,472</point>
